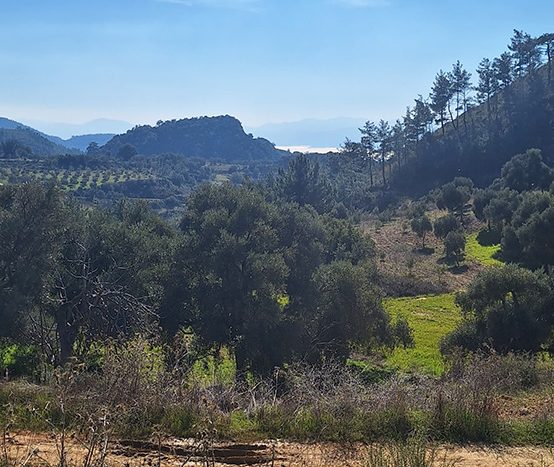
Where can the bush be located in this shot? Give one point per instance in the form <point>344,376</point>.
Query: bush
<point>507,309</point>
<point>421,227</point>
<point>446,224</point>
<point>454,246</point>
<point>403,333</point>
<point>18,359</point>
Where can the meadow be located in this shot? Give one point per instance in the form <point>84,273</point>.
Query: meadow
<point>431,318</point>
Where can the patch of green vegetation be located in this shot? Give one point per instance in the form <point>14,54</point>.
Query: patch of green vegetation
<point>483,254</point>
<point>211,370</point>
<point>431,318</point>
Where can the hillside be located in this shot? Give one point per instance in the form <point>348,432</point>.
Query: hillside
<point>218,138</point>
<point>32,141</point>
<point>480,141</point>
<point>79,142</point>
<point>7,124</point>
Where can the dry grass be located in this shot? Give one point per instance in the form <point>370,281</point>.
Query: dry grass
<point>418,272</point>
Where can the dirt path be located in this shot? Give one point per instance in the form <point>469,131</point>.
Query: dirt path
<point>27,449</point>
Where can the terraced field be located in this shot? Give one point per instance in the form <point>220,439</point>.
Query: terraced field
<point>69,180</point>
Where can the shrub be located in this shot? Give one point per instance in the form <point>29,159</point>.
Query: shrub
<point>421,227</point>
<point>18,359</point>
<point>507,309</point>
<point>446,224</point>
<point>454,246</point>
<point>403,333</point>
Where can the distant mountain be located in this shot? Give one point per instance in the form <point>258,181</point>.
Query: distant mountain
<point>218,138</point>
<point>329,133</point>
<point>94,127</point>
<point>82,142</point>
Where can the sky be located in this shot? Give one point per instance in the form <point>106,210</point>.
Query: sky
<point>262,61</point>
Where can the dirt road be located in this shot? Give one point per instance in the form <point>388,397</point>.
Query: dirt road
<point>25,449</point>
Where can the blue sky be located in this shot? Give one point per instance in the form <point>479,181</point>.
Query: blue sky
<point>260,60</point>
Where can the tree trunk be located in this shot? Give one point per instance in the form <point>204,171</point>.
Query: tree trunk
<point>67,334</point>
<point>241,363</point>
<point>454,122</point>
<point>371,171</point>
<point>549,58</point>
<point>383,169</point>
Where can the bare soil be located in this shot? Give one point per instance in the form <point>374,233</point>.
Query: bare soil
<point>26,449</point>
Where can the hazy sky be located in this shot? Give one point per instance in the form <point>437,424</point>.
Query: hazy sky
<point>260,60</point>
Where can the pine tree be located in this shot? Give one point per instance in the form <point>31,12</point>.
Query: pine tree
<point>369,141</point>
<point>488,84</point>
<point>398,142</point>
<point>384,139</point>
<point>503,70</point>
<point>526,53</point>
<point>441,94</point>
<point>460,80</point>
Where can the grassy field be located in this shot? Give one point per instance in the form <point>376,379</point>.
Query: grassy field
<point>483,254</point>
<point>431,318</point>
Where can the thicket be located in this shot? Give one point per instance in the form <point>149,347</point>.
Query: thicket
<point>139,390</point>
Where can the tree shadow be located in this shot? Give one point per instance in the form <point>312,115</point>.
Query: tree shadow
<point>427,251</point>
<point>452,267</point>
<point>458,269</point>
<point>488,237</point>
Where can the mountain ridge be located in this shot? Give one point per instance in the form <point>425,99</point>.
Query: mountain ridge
<point>218,138</point>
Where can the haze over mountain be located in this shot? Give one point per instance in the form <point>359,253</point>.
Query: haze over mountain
<point>314,133</point>
<point>67,130</point>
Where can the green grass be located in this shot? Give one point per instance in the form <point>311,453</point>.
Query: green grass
<point>482,254</point>
<point>431,318</point>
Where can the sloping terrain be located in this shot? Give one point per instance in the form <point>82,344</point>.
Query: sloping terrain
<point>37,143</point>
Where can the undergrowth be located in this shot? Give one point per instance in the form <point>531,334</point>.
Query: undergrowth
<point>330,403</point>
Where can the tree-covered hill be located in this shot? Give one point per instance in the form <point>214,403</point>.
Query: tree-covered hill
<point>24,141</point>
<point>219,138</point>
<point>469,125</point>
<point>7,124</point>
<point>479,142</point>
